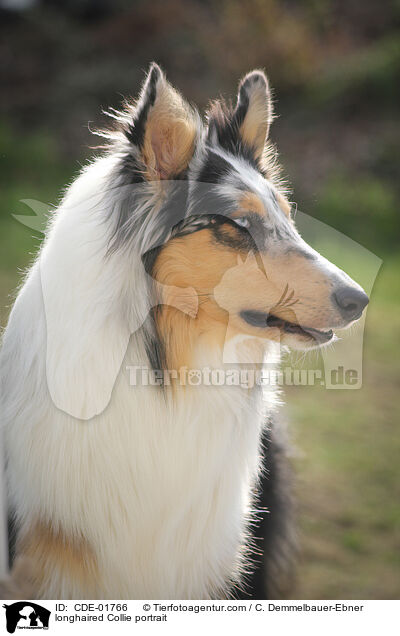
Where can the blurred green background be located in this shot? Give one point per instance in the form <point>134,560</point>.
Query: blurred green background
<point>335,70</point>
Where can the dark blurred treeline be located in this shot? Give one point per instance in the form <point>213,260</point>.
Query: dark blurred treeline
<point>334,66</point>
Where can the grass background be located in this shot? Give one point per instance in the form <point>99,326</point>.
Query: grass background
<point>335,69</point>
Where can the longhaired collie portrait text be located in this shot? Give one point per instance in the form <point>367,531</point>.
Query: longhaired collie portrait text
<point>173,250</point>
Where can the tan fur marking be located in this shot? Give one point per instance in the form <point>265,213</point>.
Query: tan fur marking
<point>228,282</point>
<point>185,299</point>
<point>195,258</point>
<point>284,204</point>
<point>230,231</point>
<point>50,551</point>
<point>170,135</point>
<point>250,202</point>
<point>255,126</point>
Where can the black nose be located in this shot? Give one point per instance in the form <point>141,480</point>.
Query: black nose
<point>351,301</point>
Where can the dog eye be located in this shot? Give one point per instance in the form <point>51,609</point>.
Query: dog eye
<point>242,221</point>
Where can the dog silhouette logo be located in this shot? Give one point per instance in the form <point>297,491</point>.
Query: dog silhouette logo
<point>26,615</point>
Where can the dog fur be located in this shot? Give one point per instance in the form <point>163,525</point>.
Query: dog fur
<point>148,491</point>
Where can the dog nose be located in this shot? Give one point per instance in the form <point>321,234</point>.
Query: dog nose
<point>351,301</point>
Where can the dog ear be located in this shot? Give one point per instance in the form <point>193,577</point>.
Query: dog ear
<point>164,128</point>
<point>244,129</point>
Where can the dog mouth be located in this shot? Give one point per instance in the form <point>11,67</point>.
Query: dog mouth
<point>263,320</point>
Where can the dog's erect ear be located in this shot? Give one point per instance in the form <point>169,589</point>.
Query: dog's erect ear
<point>244,129</point>
<point>164,128</point>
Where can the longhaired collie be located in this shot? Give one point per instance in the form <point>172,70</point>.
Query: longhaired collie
<point>132,453</point>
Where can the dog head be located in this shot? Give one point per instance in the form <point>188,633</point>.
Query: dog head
<point>228,232</point>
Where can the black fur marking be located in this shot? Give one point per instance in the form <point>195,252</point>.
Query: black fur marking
<point>252,238</point>
<point>136,130</point>
<point>125,226</point>
<point>242,106</point>
<point>205,199</point>
<point>242,241</point>
<point>174,209</point>
<point>283,232</point>
<point>275,536</point>
<point>154,346</point>
<point>191,225</point>
<point>149,259</point>
<point>132,169</point>
<point>12,537</point>
<point>225,123</point>
<point>214,169</point>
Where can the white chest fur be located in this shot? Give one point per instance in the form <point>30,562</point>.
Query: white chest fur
<point>160,489</point>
